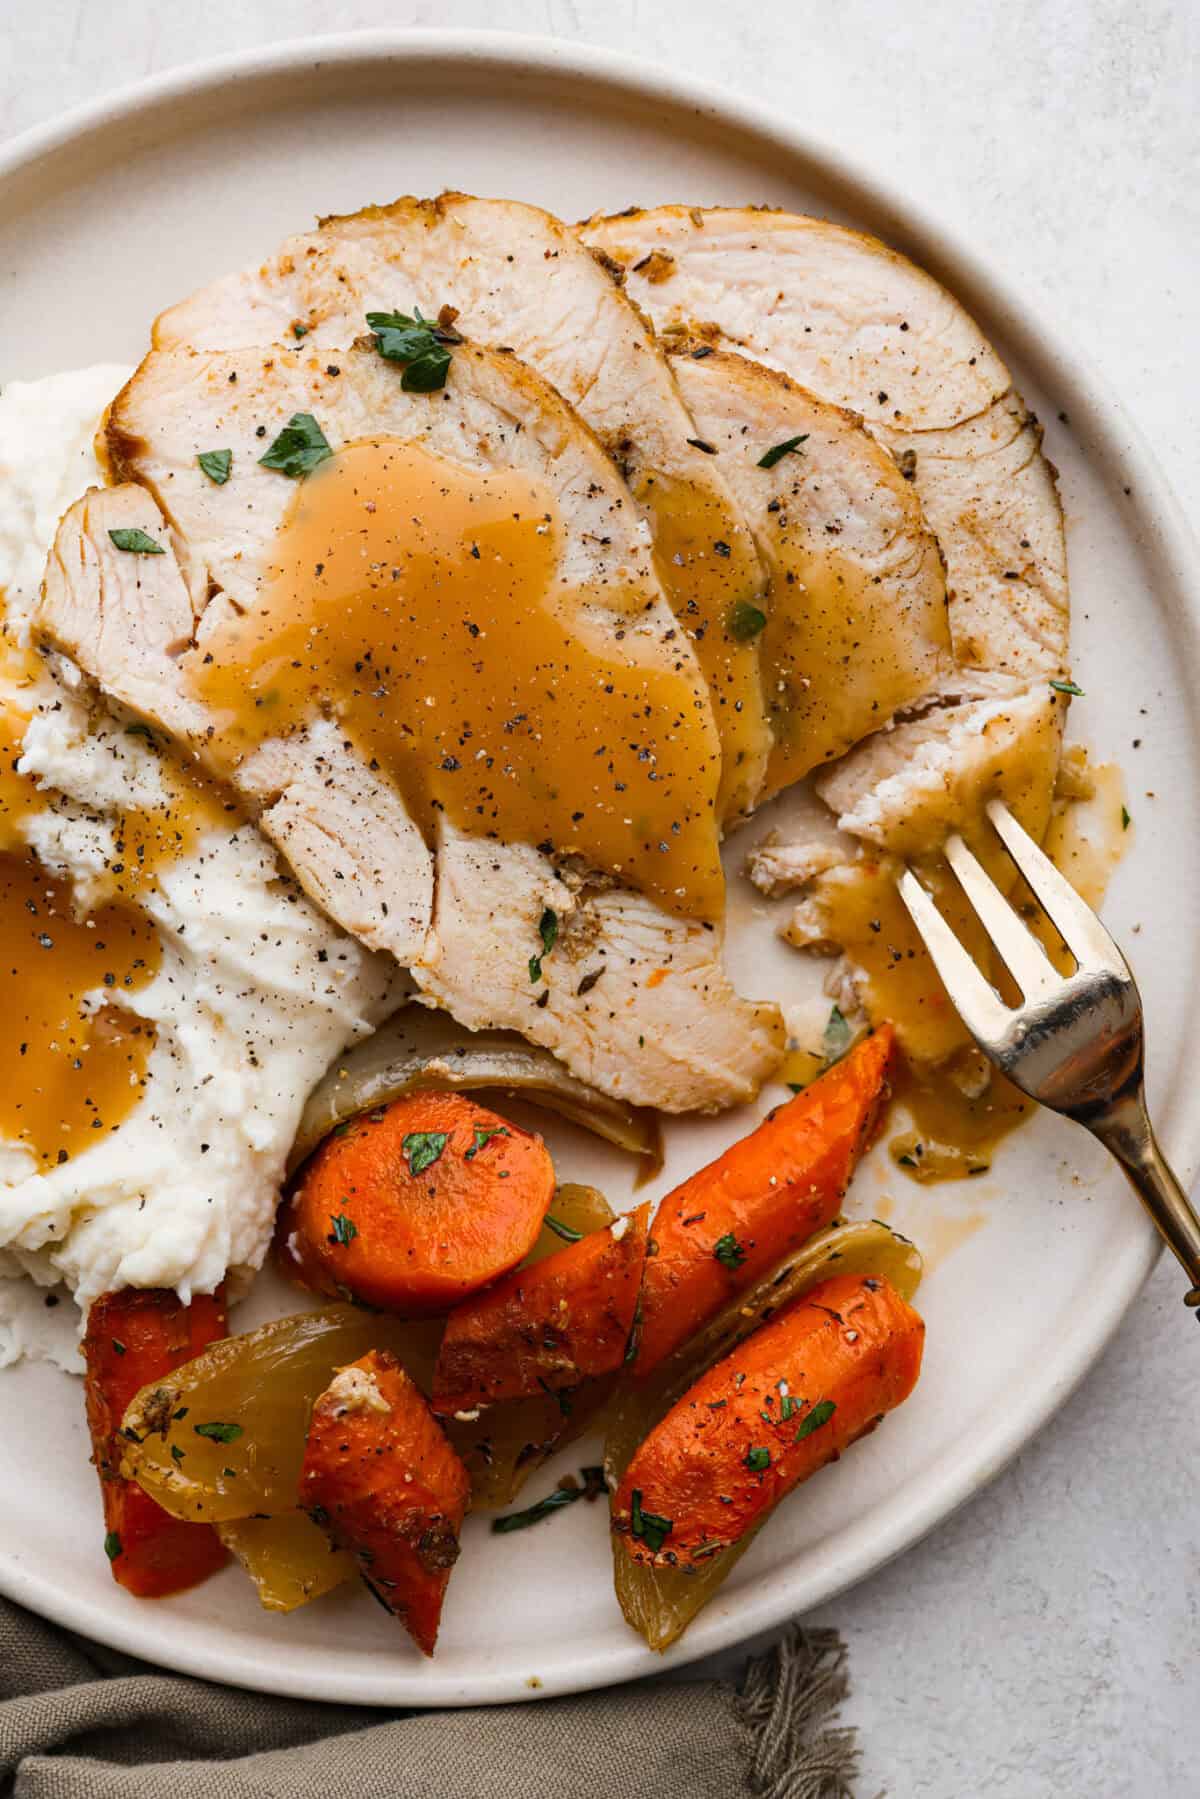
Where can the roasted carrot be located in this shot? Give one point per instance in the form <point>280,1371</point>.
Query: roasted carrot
<point>728,1224</point>
<point>135,1336</point>
<point>380,1478</point>
<point>548,1326</point>
<point>785,1402</point>
<point>413,1207</point>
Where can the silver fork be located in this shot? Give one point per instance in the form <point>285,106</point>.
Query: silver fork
<point>1075,1044</point>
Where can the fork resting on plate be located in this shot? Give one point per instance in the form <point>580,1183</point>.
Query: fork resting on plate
<point>1075,1043</point>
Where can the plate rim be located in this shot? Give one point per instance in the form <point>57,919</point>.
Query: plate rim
<point>1099,417</point>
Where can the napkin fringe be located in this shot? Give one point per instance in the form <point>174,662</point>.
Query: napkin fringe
<point>788,1703</point>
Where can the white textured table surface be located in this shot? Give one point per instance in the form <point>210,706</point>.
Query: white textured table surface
<point>1045,1641</point>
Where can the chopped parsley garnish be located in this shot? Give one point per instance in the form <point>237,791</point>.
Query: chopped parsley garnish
<point>758,1459</point>
<point>1126,821</point>
<point>821,1413</point>
<point>837,1037</point>
<point>548,932</point>
<point>218,1433</point>
<point>635,1335</point>
<point>648,1527</point>
<point>777,452</point>
<point>176,1453</point>
<point>300,447</point>
<point>1067,687</point>
<point>217,465</point>
<point>344,1229</point>
<point>112,1545</point>
<point>566,1231</point>
<point>118,1345</point>
<point>788,1406</point>
<point>140,731</point>
<point>130,537</point>
<point>422,1149</point>
<point>559,1395</point>
<point>419,343</point>
<point>744,621</point>
<point>482,1137</point>
<point>562,1496</point>
<point>729,1251</point>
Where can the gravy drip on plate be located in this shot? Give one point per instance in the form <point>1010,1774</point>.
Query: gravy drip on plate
<point>421,604</point>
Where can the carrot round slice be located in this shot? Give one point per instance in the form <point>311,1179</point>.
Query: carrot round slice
<point>412,1207</point>
<point>785,1402</point>
<point>726,1225</point>
<point>381,1479</point>
<point>135,1336</point>
<point>547,1326</point>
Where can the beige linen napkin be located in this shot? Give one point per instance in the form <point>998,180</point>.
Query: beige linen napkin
<point>81,1722</point>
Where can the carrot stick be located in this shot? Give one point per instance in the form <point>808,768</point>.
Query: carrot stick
<point>135,1336</point>
<point>413,1207</point>
<point>785,1402</point>
<point>380,1478</point>
<point>548,1326</point>
<point>728,1224</point>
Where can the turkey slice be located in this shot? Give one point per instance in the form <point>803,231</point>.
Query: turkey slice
<point>636,1003</point>
<point>142,625</point>
<point>855,629</point>
<point>513,276</point>
<point>865,328</point>
<point>128,621</point>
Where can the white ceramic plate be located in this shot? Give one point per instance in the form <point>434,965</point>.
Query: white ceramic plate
<point>107,217</point>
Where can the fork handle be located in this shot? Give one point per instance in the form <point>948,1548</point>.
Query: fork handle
<point>1125,1129</point>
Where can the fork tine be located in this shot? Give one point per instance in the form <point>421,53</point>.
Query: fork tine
<point>1023,956</point>
<point>1080,929</point>
<point>983,1013</point>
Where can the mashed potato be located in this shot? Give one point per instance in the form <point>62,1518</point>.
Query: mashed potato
<point>255,994</point>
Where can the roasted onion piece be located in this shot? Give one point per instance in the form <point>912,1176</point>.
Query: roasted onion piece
<point>661,1602</point>
<point>287,1557</point>
<point>418,1047</point>
<point>223,1436</point>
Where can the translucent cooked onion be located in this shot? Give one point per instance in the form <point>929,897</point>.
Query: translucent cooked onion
<point>223,1436</point>
<point>575,1211</point>
<point>660,1603</point>
<point>289,1559</point>
<point>418,1047</point>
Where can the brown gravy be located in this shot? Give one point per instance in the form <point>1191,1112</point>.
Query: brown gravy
<point>421,604</point>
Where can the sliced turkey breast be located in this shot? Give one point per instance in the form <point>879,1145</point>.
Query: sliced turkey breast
<point>637,1003</point>
<point>862,326</point>
<point>514,276</point>
<point>909,788</point>
<point>127,620</point>
<point>855,628</point>
<point>310,720</point>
